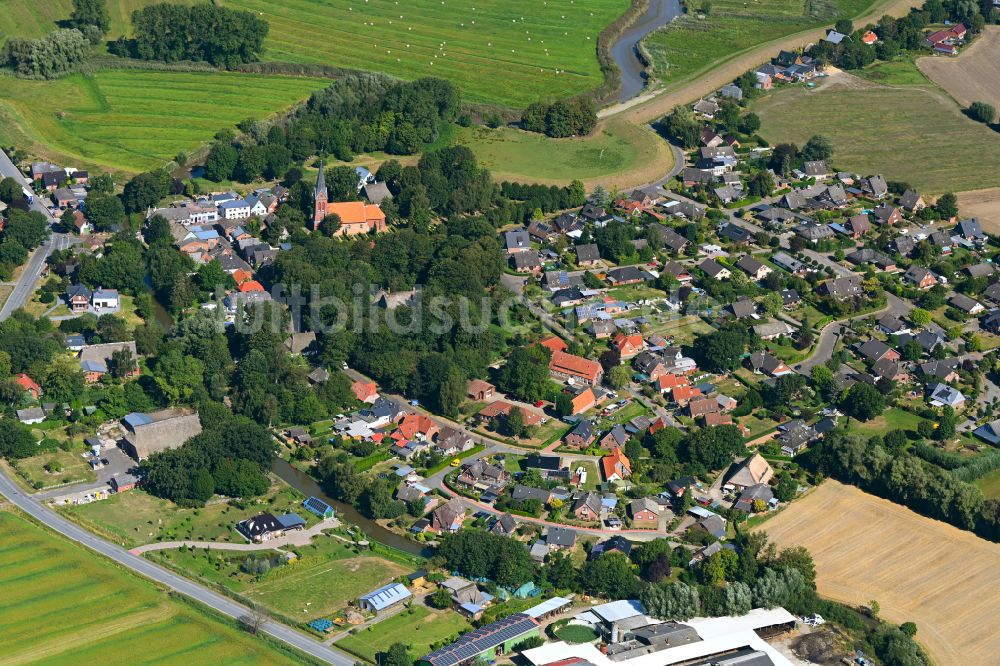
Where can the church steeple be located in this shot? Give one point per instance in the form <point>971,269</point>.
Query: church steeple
<point>320,197</point>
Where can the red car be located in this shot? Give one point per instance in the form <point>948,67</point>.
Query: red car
<point>539,403</point>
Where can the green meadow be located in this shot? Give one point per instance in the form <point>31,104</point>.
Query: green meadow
<point>134,120</point>
<point>510,52</point>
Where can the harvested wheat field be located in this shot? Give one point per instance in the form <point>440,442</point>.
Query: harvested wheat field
<point>918,569</point>
<point>973,76</point>
<point>984,204</point>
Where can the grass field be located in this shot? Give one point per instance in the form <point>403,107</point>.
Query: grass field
<point>511,52</point>
<point>132,120</point>
<point>895,131</point>
<point>691,44</point>
<point>29,18</point>
<point>329,573</point>
<point>618,153</point>
<point>918,569</point>
<point>974,76</point>
<point>64,605</point>
<point>136,518</point>
<point>418,627</point>
<point>990,484</point>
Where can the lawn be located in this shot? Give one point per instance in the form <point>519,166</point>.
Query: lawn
<point>511,52</point>
<point>682,330</point>
<point>617,149</point>
<point>576,633</point>
<point>328,574</point>
<point>133,120</point>
<point>64,605</point>
<point>891,419</point>
<point>72,469</point>
<point>897,132</point>
<point>417,627</point>
<point>894,73</point>
<point>135,518</point>
<point>690,44</point>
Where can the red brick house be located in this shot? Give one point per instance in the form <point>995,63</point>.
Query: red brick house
<point>616,466</point>
<point>567,366</point>
<point>29,385</point>
<point>627,347</point>
<point>645,512</point>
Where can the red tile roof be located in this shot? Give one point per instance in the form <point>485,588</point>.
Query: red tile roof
<point>553,343</point>
<point>575,366</point>
<point>610,462</point>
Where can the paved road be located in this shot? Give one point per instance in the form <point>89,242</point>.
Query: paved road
<point>828,337</point>
<point>25,285</point>
<point>136,563</point>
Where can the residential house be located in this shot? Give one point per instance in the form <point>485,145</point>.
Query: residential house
<point>682,395</point>
<point>706,108</point>
<point>943,370</point>
<point>482,475</point>
<point>616,438</point>
<point>627,347</point>
<point>940,395</point>
<point>790,298</point>
<point>479,390</point>
<point>645,512</point>
<point>971,230</point>
<point>751,471</point>
<point>920,277</point>
<point>581,435</point>
<point>29,385</point>
<point>105,299</point>
<point>734,233</point>
<point>816,169</point>
<point>569,367</point>
<point>876,350</point>
<point>867,255</point>
<point>773,330</point>
<point>448,517</point>
<point>891,324</point>
<point>750,498</point>
<point>30,416</point>
<point>97,360</point>
<point>841,288</point>
<point>966,304</point>
<point>587,255</point>
<point>980,270</point>
<point>626,275</point>
<point>260,528</point>
<point>583,401</point>
<point>764,363</point>
<point>558,538</point>
<point>668,238</point>
<point>679,271</point>
<point>587,506</point>
<point>755,269</point>
<point>743,308</point>
<point>912,201</point>
<point>517,241</point>
<point>858,225</point>
<point>505,525</point>
<point>701,406</point>
<point>526,262</point>
<point>616,465</point>
<point>715,270</point>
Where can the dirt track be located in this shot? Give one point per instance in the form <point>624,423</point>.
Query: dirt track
<point>918,569</point>
<point>973,76</point>
<point>706,83</point>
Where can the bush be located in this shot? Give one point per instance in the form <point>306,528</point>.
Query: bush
<point>982,112</point>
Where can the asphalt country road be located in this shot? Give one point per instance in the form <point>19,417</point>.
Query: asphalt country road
<point>25,285</point>
<point>144,567</point>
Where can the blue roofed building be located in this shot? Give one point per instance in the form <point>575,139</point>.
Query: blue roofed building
<point>385,598</point>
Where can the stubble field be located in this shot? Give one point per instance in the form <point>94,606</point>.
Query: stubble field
<point>973,76</point>
<point>918,569</point>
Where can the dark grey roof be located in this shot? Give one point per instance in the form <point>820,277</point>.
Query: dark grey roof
<point>476,642</point>
<point>560,536</point>
<point>589,252</point>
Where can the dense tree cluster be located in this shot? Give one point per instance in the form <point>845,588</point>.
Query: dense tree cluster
<point>906,479</point>
<point>57,53</point>
<point>230,457</point>
<point>22,232</point>
<point>480,554</point>
<point>202,32</point>
<point>573,117</point>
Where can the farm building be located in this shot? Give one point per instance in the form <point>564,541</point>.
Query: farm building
<point>146,434</point>
<point>385,598</point>
<point>319,507</point>
<point>484,643</point>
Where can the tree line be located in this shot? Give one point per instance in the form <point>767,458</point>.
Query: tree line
<point>904,478</point>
